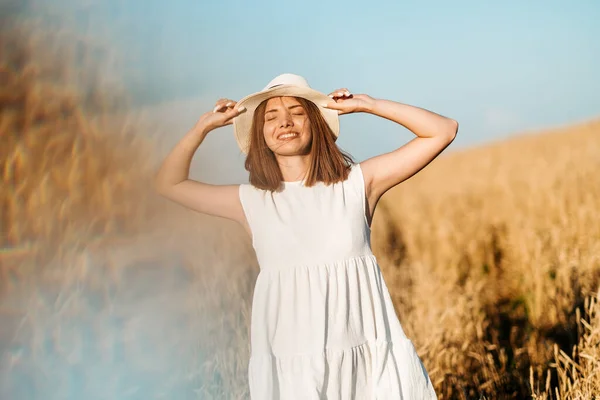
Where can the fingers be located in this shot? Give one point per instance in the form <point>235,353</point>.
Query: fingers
<point>333,105</point>
<point>338,96</point>
<point>222,105</point>
<point>229,113</point>
<point>342,93</point>
<point>226,117</point>
<point>225,105</point>
<point>339,107</point>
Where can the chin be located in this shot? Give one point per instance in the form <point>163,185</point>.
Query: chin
<point>295,150</point>
<point>289,153</point>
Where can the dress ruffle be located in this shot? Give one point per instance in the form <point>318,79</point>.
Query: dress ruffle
<point>366,353</point>
<point>374,370</point>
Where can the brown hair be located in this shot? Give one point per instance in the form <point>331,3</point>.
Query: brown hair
<point>329,164</point>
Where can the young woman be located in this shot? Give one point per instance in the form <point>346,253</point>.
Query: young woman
<point>323,323</point>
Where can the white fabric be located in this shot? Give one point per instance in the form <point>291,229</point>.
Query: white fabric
<point>323,323</point>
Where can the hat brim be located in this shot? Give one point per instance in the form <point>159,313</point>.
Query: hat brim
<point>243,122</point>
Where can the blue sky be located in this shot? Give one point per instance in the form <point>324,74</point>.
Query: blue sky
<point>498,68</point>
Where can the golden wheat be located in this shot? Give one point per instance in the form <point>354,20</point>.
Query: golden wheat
<point>490,252</point>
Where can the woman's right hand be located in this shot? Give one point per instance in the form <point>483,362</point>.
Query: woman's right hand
<point>223,114</point>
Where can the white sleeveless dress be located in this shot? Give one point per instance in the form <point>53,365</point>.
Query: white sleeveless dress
<point>323,323</point>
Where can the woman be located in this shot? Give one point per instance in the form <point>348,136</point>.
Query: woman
<point>323,323</point>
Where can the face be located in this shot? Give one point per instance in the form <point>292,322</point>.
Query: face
<point>287,127</point>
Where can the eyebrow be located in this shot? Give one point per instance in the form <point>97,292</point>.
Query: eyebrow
<point>289,108</point>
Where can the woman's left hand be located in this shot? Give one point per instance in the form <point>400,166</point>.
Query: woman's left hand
<point>345,102</point>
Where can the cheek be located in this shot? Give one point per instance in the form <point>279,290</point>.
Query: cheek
<point>267,131</point>
<point>306,127</point>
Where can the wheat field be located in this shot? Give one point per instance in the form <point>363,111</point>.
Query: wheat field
<point>492,254</point>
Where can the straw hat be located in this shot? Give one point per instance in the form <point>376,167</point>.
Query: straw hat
<point>283,85</point>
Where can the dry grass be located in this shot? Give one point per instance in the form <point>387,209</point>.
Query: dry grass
<point>577,373</point>
<point>492,255</point>
<point>491,252</point>
<point>68,171</point>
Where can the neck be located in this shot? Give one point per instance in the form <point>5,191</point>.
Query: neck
<point>293,168</point>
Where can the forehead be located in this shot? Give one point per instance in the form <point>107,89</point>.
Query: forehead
<point>283,101</point>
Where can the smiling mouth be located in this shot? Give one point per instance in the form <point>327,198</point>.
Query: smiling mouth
<point>286,136</point>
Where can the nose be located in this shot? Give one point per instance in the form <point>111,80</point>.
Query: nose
<point>286,120</point>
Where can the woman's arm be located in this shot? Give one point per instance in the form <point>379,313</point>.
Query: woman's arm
<point>172,179</point>
<point>434,133</point>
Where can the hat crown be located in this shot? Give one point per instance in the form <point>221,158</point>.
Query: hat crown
<point>287,79</point>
